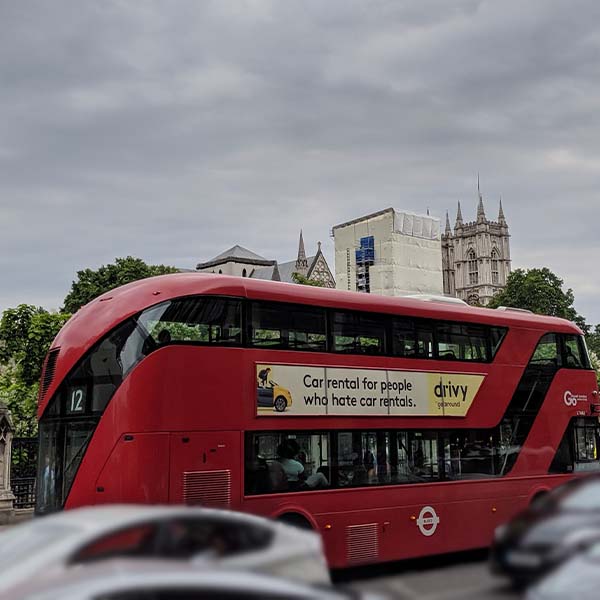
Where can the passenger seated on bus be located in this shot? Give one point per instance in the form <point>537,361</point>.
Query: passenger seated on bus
<point>320,479</point>
<point>572,360</point>
<point>259,476</point>
<point>277,477</point>
<point>359,473</point>
<point>164,337</point>
<point>369,463</point>
<point>294,469</point>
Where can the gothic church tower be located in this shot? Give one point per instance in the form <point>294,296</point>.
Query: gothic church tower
<point>476,256</point>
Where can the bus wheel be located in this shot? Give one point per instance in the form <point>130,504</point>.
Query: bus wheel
<point>280,404</point>
<point>296,520</point>
<point>538,499</point>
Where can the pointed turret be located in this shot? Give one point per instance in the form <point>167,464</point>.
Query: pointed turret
<point>459,219</point>
<point>501,218</point>
<point>448,230</point>
<point>480,209</point>
<point>301,262</point>
<point>276,276</point>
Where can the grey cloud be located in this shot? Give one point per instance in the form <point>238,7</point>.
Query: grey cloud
<point>174,130</point>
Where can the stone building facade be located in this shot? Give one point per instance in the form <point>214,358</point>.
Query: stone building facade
<point>475,256</point>
<point>241,262</point>
<point>390,252</point>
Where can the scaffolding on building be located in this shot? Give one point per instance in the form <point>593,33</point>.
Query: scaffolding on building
<point>365,257</point>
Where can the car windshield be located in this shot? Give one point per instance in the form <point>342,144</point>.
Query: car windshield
<point>584,497</point>
<point>21,542</point>
<point>594,552</point>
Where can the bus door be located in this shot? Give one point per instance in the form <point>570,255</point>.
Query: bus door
<point>205,468</point>
<point>416,463</point>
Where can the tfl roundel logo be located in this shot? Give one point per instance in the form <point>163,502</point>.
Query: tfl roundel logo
<point>428,521</point>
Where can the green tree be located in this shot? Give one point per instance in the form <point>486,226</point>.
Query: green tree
<point>302,280</point>
<point>26,333</point>
<point>593,340</point>
<point>21,400</point>
<point>14,329</point>
<point>540,291</point>
<point>43,329</point>
<point>595,365</point>
<point>92,283</point>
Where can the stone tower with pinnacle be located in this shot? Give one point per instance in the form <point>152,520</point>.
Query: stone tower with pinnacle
<point>476,255</point>
<point>301,261</point>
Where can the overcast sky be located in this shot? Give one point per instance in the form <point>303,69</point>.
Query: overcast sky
<point>173,130</point>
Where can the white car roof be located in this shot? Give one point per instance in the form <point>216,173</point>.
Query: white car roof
<point>115,516</point>
<point>129,575</point>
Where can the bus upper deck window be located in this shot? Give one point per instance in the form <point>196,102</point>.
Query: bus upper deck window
<point>288,326</point>
<point>358,333</point>
<point>201,320</point>
<point>547,351</point>
<point>575,352</point>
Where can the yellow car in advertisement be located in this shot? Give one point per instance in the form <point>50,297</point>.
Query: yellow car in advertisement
<point>269,394</point>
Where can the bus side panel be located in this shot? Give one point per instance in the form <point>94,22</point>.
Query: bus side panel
<point>137,471</point>
<point>406,521</point>
<point>550,423</point>
<point>205,468</point>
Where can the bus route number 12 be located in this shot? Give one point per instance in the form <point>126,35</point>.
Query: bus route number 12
<point>76,401</point>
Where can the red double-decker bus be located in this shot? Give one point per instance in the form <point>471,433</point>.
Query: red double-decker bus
<point>396,427</point>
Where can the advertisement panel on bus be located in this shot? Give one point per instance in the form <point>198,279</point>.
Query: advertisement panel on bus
<point>309,390</point>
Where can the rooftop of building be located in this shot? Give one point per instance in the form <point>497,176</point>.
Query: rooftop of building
<point>236,253</point>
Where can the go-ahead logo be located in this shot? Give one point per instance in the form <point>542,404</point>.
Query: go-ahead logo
<point>572,399</point>
<point>428,521</point>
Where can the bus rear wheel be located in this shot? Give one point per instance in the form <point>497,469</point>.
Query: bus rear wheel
<point>280,404</point>
<point>296,520</point>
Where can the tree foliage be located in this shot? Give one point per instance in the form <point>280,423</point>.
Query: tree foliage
<point>595,361</point>
<point>26,333</point>
<point>593,340</point>
<point>540,291</point>
<point>302,280</point>
<point>14,329</point>
<point>20,399</point>
<point>92,283</point>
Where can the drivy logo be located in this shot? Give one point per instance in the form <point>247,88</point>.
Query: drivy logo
<point>428,521</point>
<point>572,399</point>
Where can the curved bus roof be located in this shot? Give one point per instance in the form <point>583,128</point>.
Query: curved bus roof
<point>104,313</point>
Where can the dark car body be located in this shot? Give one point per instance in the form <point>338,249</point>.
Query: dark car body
<point>554,528</point>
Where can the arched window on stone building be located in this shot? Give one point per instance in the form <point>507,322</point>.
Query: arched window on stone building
<point>473,299</point>
<point>473,270</point>
<point>495,272</point>
<point>244,273</point>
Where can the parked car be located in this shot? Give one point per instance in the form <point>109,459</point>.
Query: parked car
<point>206,538</point>
<point>553,529</point>
<point>127,579</point>
<point>577,578</point>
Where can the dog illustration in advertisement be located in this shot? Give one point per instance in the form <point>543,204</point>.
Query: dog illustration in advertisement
<point>269,394</point>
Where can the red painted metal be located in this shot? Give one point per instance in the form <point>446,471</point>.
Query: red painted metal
<point>185,408</point>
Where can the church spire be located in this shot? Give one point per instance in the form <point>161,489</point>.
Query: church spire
<point>459,219</point>
<point>448,230</point>
<point>480,209</point>
<point>501,218</point>
<point>301,262</point>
